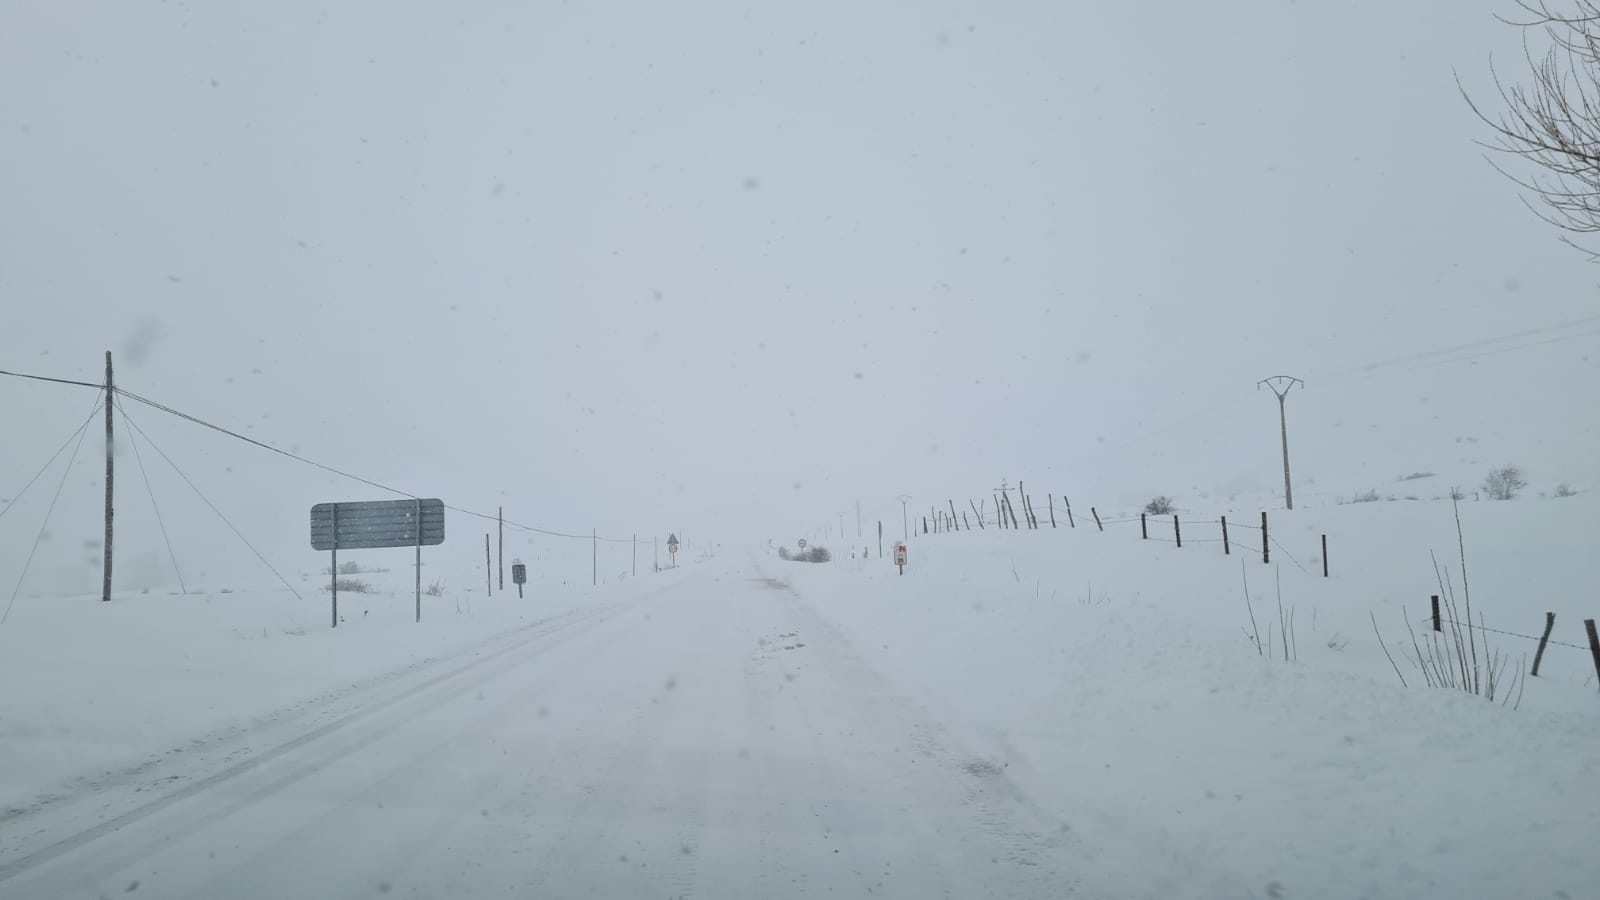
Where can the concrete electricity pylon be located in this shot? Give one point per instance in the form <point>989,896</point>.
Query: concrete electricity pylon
<point>1280,385</point>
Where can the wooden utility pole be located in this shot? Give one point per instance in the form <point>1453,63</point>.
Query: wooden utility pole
<point>105,586</point>
<point>636,554</point>
<point>1280,385</point>
<point>502,520</point>
<point>594,537</point>
<point>488,566</point>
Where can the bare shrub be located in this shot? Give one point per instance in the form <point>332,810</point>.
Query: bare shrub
<point>1565,490</point>
<point>353,586</point>
<point>1159,506</point>
<point>1504,483</point>
<point>436,589</point>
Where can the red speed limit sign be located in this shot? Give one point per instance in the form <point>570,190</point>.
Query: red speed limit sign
<point>900,557</point>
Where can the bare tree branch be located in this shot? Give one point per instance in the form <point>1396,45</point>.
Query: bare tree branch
<point>1552,121</point>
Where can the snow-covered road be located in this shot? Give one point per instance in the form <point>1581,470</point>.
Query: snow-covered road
<point>716,738</point>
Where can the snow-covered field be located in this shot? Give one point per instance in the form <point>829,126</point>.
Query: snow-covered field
<point>1061,712</point>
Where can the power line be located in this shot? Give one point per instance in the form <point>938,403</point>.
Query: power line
<point>343,474</point>
<point>83,432</point>
<point>249,440</point>
<point>98,387</point>
<point>213,506</point>
<point>92,413</point>
<point>153,505</point>
<point>1471,345</point>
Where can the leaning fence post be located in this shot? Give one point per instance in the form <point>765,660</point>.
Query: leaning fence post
<point>1594,644</point>
<point>1176,531</point>
<point>1549,623</point>
<point>1225,551</point>
<point>1324,556</point>
<point>1265,556</point>
<point>1070,522</point>
<point>1096,519</point>
<point>1144,530</point>
<point>1437,625</point>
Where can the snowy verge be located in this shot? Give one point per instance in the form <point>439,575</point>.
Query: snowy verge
<point>1114,678</point>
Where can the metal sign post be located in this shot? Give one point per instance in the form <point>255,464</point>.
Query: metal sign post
<point>371,524</point>
<point>672,549</point>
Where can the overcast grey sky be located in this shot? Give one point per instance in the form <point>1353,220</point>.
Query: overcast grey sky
<point>729,267</point>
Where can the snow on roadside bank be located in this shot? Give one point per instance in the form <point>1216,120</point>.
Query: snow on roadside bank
<point>1115,675</point>
<point>95,688</point>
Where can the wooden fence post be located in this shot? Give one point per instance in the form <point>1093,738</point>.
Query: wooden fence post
<point>1594,644</point>
<point>1437,625</point>
<point>1144,530</point>
<point>1225,551</point>
<point>1266,557</point>
<point>1177,532</point>
<point>976,513</point>
<point>1324,556</point>
<point>1051,500</point>
<point>1096,519</point>
<point>1549,623</point>
<point>1070,522</point>
<point>953,513</point>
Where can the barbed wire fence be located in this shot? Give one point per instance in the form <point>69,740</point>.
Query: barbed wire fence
<point>1152,526</point>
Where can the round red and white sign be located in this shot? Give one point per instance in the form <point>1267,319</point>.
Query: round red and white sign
<point>802,543</point>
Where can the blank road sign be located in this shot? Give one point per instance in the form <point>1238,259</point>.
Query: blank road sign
<point>368,524</point>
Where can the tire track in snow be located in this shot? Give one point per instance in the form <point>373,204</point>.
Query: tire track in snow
<point>562,629</point>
